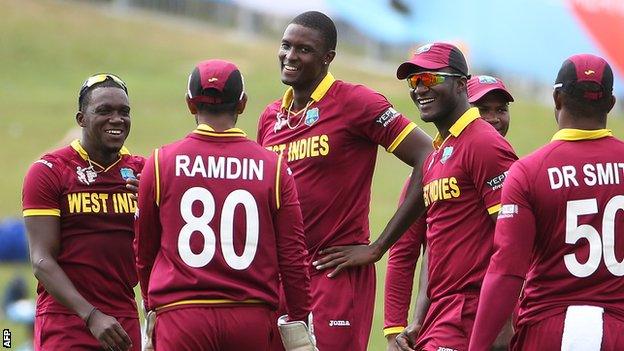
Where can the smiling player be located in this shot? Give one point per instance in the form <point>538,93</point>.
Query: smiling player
<point>79,220</point>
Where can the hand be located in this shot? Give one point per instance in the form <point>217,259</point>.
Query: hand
<point>343,257</point>
<point>132,184</point>
<point>504,338</point>
<point>109,332</point>
<point>392,345</point>
<point>406,340</point>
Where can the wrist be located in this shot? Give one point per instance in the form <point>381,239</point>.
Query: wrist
<point>377,250</point>
<point>89,315</point>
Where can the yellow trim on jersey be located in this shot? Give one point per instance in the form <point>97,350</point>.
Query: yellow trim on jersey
<point>277,181</point>
<point>85,156</point>
<point>205,129</point>
<point>494,209</point>
<point>408,128</point>
<point>393,330</point>
<point>205,302</point>
<point>569,134</point>
<point>157,175</point>
<point>317,94</point>
<point>468,117</point>
<point>42,212</point>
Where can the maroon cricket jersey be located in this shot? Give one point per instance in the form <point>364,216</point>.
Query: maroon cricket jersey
<point>96,219</point>
<point>560,220</point>
<point>462,181</point>
<point>331,146</point>
<point>218,220</point>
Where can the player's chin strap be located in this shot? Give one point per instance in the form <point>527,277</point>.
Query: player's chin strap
<point>296,336</point>
<point>150,321</point>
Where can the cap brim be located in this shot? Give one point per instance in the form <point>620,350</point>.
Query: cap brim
<point>416,64</point>
<point>476,97</point>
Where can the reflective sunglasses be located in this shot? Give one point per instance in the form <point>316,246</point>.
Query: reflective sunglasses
<point>99,78</point>
<point>429,79</point>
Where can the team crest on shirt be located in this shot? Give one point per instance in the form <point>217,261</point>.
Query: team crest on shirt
<point>312,115</point>
<point>446,154</point>
<point>86,175</point>
<point>127,173</point>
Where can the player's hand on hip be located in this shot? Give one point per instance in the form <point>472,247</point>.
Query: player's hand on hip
<point>109,332</point>
<point>406,340</point>
<point>342,257</point>
<point>132,184</point>
<point>392,345</point>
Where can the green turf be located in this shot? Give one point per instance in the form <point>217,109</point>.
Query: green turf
<point>49,47</point>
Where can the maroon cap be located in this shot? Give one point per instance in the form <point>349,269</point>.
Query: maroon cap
<point>478,86</point>
<point>585,68</point>
<point>215,82</point>
<point>433,57</point>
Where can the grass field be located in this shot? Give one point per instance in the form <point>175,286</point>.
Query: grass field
<point>49,47</point>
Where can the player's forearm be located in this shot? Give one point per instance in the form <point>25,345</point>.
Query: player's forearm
<point>57,283</point>
<point>497,300</point>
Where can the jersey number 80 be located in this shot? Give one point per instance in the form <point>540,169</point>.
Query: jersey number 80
<point>201,224</point>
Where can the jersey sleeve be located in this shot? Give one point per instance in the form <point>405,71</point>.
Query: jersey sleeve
<point>262,122</point>
<point>147,227</point>
<point>400,273</point>
<point>42,190</point>
<point>488,162</point>
<point>515,228</point>
<point>376,120</point>
<point>291,247</point>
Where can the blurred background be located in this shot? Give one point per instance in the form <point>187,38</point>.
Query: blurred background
<point>47,49</point>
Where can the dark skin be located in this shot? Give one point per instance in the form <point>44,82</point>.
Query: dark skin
<point>304,61</point>
<point>442,105</point>
<point>105,123</point>
<point>494,109</point>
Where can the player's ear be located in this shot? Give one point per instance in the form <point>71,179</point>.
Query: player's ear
<point>329,57</point>
<point>462,85</point>
<point>191,106</point>
<point>611,103</point>
<point>557,99</point>
<point>80,119</point>
<point>242,103</point>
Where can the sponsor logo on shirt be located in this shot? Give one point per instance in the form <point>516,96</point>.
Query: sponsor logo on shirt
<point>339,323</point>
<point>86,175</point>
<point>312,116</point>
<point>446,154</point>
<point>387,117</point>
<point>508,211</point>
<point>127,173</point>
<point>497,182</point>
<point>49,164</point>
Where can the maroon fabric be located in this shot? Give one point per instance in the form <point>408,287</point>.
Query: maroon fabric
<point>448,323</point>
<point>433,57</point>
<point>215,82</point>
<point>215,329</point>
<point>55,331</point>
<point>227,217</point>
<point>96,222</point>
<point>343,309</point>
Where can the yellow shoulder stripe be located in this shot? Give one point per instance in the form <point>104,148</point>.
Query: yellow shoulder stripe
<point>408,128</point>
<point>494,209</point>
<point>42,212</point>
<point>157,174</point>
<point>277,180</point>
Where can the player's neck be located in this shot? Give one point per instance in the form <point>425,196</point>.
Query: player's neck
<point>443,125</point>
<point>218,122</point>
<point>567,120</point>
<point>303,94</point>
<point>98,155</point>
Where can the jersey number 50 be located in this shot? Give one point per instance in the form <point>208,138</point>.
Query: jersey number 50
<point>597,247</point>
<point>201,224</point>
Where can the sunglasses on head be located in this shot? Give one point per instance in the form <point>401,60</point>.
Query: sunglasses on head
<point>99,78</point>
<point>429,79</point>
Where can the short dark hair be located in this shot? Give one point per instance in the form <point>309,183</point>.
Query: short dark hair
<point>578,105</point>
<point>85,97</point>
<point>320,22</point>
<point>228,107</point>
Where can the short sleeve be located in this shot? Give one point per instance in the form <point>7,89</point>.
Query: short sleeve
<point>262,122</point>
<point>42,189</point>
<point>375,119</point>
<point>515,228</point>
<point>488,162</point>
